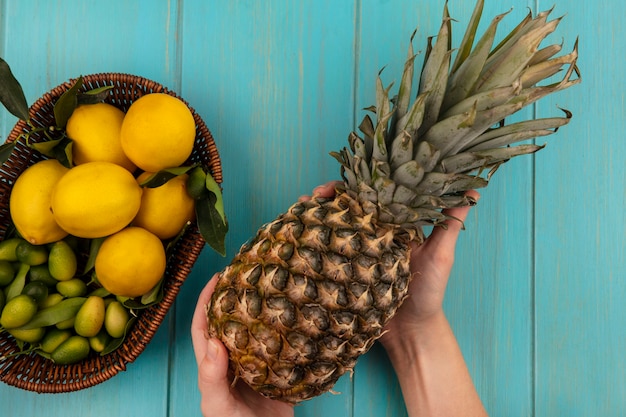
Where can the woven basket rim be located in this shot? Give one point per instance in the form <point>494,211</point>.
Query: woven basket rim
<point>31,371</point>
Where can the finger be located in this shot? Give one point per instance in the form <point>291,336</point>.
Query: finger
<point>199,320</point>
<point>213,381</point>
<point>326,190</point>
<point>447,236</point>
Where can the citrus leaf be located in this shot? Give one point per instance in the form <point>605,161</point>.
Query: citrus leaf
<point>66,104</point>
<point>94,247</point>
<point>64,310</point>
<point>159,178</point>
<point>115,343</point>
<point>5,151</point>
<point>154,295</point>
<point>94,96</point>
<point>65,158</point>
<point>214,188</point>
<point>11,93</point>
<point>211,223</point>
<point>45,148</point>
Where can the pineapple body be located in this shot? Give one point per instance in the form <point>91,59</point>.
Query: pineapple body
<point>308,295</point>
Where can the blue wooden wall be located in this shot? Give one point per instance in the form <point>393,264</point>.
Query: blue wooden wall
<point>537,294</point>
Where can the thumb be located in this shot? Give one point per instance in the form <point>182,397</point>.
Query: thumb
<point>446,237</point>
<point>213,381</point>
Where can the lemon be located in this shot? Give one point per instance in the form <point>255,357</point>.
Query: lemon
<point>95,199</point>
<point>95,132</point>
<point>158,132</point>
<point>30,202</point>
<point>166,209</point>
<point>131,262</point>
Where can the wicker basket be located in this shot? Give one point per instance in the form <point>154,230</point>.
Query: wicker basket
<point>35,373</point>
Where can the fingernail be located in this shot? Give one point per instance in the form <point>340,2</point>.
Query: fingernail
<point>212,349</point>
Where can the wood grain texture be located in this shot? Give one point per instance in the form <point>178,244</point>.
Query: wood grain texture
<point>580,231</point>
<point>536,296</point>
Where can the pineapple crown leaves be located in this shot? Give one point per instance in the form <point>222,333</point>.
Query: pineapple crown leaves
<point>419,157</point>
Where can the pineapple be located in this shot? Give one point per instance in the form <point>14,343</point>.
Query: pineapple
<point>313,290</point>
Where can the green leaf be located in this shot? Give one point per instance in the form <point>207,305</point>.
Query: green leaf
<point>11,93</point>
<point>213,187</point>
<point>115,343</point>
<point>63,152</point>
<point>159,178</point>
<point>66,104</point>
<point>211,222</point>
<point>94,247</point>
<point>154,295</point>
<point>97,95</point>
<point>5,151</point>
<point>45,148</point>
<point>64,310</point>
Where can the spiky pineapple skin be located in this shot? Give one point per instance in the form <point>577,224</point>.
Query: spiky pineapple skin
<point>308,295</point>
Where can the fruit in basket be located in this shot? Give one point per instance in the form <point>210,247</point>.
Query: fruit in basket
<point>62,262</point>
<point>158,132</point>
<point>130,262</point>
<point>30,254</point>
<point>95,132</point>
<point>74,349</point>
<point>315,287</point>
<point>29,335</point>
<point>90,317</point>
<point>30,202</point>
<point>43,312</point>
<point>18,311</point>
<point>52,331</point>
<point>169,201</point>
<point>95,199</point>
<point>7,272</point>
<point>115,319</point>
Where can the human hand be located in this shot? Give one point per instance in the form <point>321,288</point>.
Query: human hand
<point>431,264</point>
<point>219,396</point>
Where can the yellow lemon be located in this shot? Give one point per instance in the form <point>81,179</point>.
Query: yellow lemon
<point>95,132</point>
<point>130,262</point>
<point>158,132</point>
<point>166,209</point>
<point>95,199</point>
<point>29,203</point>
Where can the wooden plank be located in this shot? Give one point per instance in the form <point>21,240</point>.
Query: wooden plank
<point>581,254</point>
<point>489,300</point>
<point>384,30</point>
<point>47,43</point>
<point>274,83</point>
